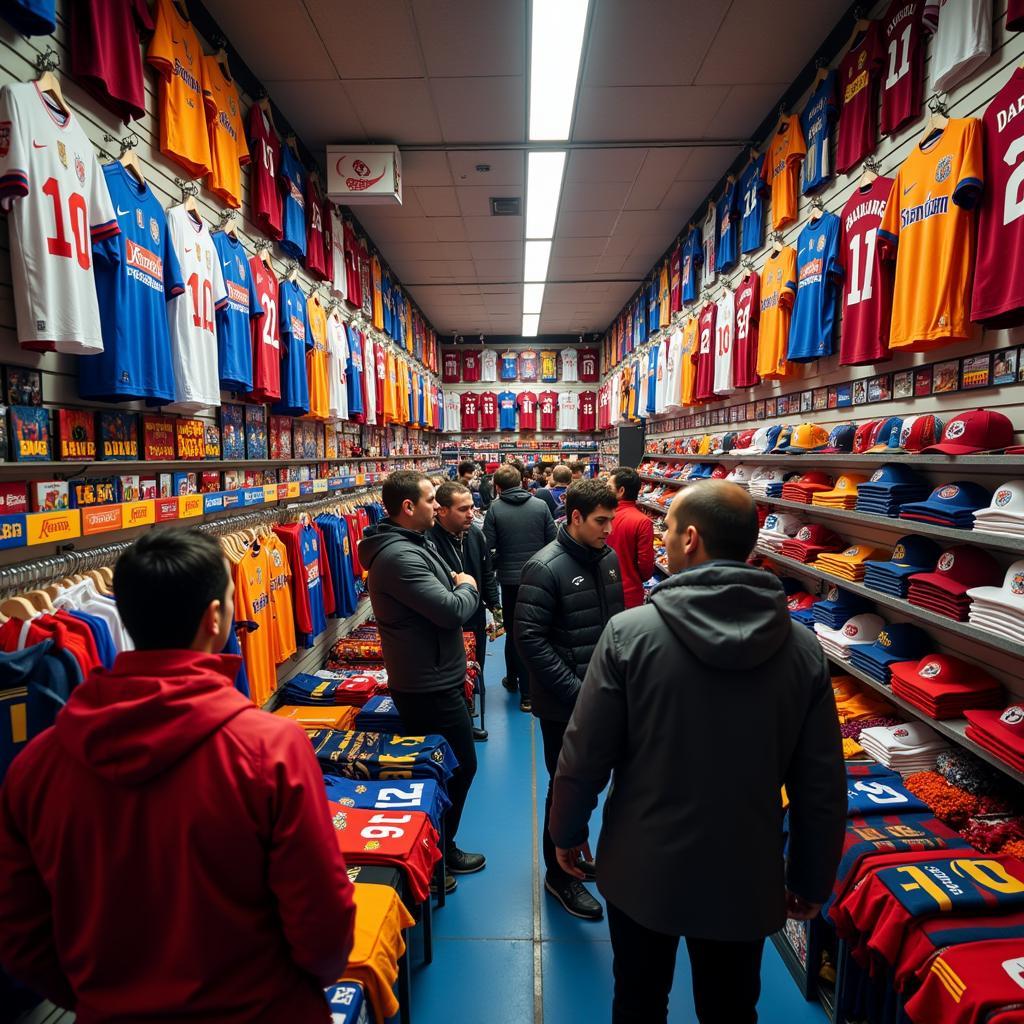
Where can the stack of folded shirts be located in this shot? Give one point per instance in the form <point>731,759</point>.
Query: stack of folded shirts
<point>943,686</point>
<point>801,608</point>
<point>856,703</point>
<point>811,541</point>
<point>1001,609</point>
<point>958,570</point>
<point>951,505</point>
<point>861,629</point>
<point>740,475</point>
<point>1001,732</point>
<point>848,564</point>
<point>908,748</point>
<point>701,471</point>
<point>775,488</point>
<point>1005,514</point>
<point>910,556</point>
<point>379,714</point>
<point>306,690</point>
<point>316,716</point>
<point>843,495</point>
<point>890,487</point>
<point>839,606</point>
<point>899,641</point>
<point>763,476</point>
<point>803,487</point>
<point>777,527</point>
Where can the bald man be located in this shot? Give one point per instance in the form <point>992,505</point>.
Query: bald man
<point>704,702</point>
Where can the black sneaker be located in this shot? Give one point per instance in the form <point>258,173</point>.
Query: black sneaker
<point>589,870</point>
<point>526,705</point>
<point>458,862</point>
<point>512,686</point>
<point>479,735</point>
<point>575,898</point>
<point>450,885</point>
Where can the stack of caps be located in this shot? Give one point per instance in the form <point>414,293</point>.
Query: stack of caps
<point>763,441</point>
<point>740,475</point>
<point>848,564</point>
<point>807,437</point>
<point>1006,512</point>
<point>379,714</point>
<point>1001,609</point>
<point>801,608</point>
<point>810,541</point>
<point>841,438</point>
<point>1001,732</point>
<point>908,748</point>
<point>839,605</point>
<point>861,629</point>
<point>777,527</point>
<point>691,446</point>
<point>887,435</point>
<point>957,571</point>
<point>975,431</point>
<point>843,495</point>
<point>899,641</point>
<point>353,690</point>
<point>949,505</point>
<point>803,487</point>
<point>763,476</point>
<point>704,445</point>
<point>774,488</point>
<point>911,555</point>
<point>708,471</point>
<point>943,686</point>
<point>889,487</point>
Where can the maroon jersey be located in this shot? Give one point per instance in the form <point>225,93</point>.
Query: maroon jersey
<point>451,363</point>
<point>470,367</point>
<point>548,410</point>
<point>675,276</point>
<point>470,411</point>
<point>317,243</point>
<point>704,357</point>
<point>999,273</point>
<point>1015,16</point>
<point>903,84</point>
<point>353,283</point>
<point>588,411</point>
<point>488,411</point>
<point>527,410</point>
<point>266,335</point>
<point>859,76</point>
<point>588,365</point>
<point>265,147</point>
<point>748,312</point>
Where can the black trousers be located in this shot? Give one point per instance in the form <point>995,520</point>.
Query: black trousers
<point>444,713</point>
<point>515,670</point>
<point>552,733</point>
<point>726,975</point>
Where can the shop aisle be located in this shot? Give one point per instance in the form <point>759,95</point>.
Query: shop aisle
<point>503,950</point>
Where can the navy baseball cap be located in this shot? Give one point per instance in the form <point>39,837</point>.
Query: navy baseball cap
<point>893,474</point>
<point>898,641</point>
<point>841,438</point>
<point>772,437</point>
<point>782,438</point>
<point>954,498</point>
<point>888,435</point>
<point>911,554</point>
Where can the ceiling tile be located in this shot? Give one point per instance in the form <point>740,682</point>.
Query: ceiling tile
<point>448,229</point>
<point>320,112</point>
<point>745,108</point>
<point>501,289</point>
<point>593,224</point>
<point>485,37</point>
<point>604,164</point>
<point>496,250</point>
<point>707,162</point>
<point>352,31</point>
<point>436,202</point>
<point>396,230</point>
<point>428,250</point>
<point>476,201</point>
<point>647,112</point>
<point>577,247</point>
<point>480,109</point>
<point>506,168</point>
<point>684,196</point>
<point>572,267</point>
<point>642,222</point>
<point>395,110</point>
<point>594,195</point>
<point>494,229</point>
<point>499,270</point>
<point>427,169</point>
<point>656,176</point>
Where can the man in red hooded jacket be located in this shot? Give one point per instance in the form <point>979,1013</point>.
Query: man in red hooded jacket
<point>632,536</point>
<point>166,849</point>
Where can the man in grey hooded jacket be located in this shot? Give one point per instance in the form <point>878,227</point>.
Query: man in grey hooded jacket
<point>704,703</point>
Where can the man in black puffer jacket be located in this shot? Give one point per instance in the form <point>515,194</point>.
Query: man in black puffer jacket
<point>569,591</point>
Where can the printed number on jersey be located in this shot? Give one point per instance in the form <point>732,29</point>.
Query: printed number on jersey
<point>79,218</point>
<point>861,267</point>
<point>384,827</point>
<point>269,321</point>
<point>1013,201</point>
<point>899,48</point>
<point>206,320</point>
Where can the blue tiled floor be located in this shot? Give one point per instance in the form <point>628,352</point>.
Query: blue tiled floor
<point>484,944</point>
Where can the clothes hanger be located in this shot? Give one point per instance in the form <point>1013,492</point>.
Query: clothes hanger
<point>870,175</point>
<point>40,599</point>
<point>18,608</point>
<point>47,82</point>
<point>937,121</point>
<point>776,248</point>
<point>817,209</point>
<point>229,223</point>
<point>820,75</point>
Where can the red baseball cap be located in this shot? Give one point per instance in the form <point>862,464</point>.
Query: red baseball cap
<point>720,472</point>
<point>976,431</point>
<point>918,432</point>
<point>1005,727</point>
<point>864,438</point>
<point>745,438</point>
<point>958,567</point>
<point>936,671</point>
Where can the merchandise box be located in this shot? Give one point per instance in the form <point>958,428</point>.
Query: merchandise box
<point>52,527</point>
<point>280,437</point>
<point>165,485</point>
<point>76,435</point>
<point>13,499</point>
<point>166,509</point>
<point>209,481</point>
<point>30,434</point>
<point>23,386</point>
<point>101,519</point>
<point>191,440</point>
<point>128,487</point>
<point>212,441</point>
<point>232,430</point>
<point>186,482</point>
<point>119,436</point>
<point>50,495</point>
<point>158,435</point>
<point>147,488</point>
<point>87,492</point>
<point>138,513</point>
<point>190,505</point>
<point>255,432</point>
<point>233,479</point>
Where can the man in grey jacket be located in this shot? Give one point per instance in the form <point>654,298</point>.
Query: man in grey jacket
<point>421,606</point>
<point>704,703</point>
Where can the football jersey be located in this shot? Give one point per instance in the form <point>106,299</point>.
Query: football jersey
<point>929,213</point>
<point>337,367</point>
<point>704,386</point>
<point>999,276</point>
<point>316,359</point>
<point>488,366</point>
<point>653,308</point>
<point>471,367</point>
<point>728,228</point>
<point>253,607</point>
<point>529,365</point>
<point>452,412</point>
<point>383,755</point>
<point>709,246</point>
<point>192,315</point>
<point>548,366</point>
<point>903,82</point>
<point>527,410</point>
<point>294,324</point>
<point>778,290</point>
<point>292,182</point>
<point>266,334</point>
<point>818,273</point>
<point>177,55</point>
<point>649,399</point>
<point>450,367</point>
<point>781,170</point>
<point>229,151</point>
<point>339,281</point>
<point>488,411</point>
<point>507,410</point>
<point>725,327</point>
<point>377,280</point>
<point>1015,15</point>
<point>470,411</point>
<point>860,74</point>
<point>661,385</point>
<point>867,286</point>
<point>548,410</point>
<point>587,410</point>
<point>688,358</point>
<point>58,207</point>
<point>509,366</point>
<point>962,42</point>
<point>589,365</point>
<point>354,376</point>
<point>673,370</point>
<point>234,320</point>
<point>281,597</point>
<point>568,411</point>
<point>816,122</point>
<point>752,189</point>
<point>31,17</point>
<point>664,297</point>
<point>353,285</point>
<point>266,198</point>
<point>570,365</point>
<point>136,273</point>
<point>748,315</point>
<point>675,278</point>
<point>316,238</point>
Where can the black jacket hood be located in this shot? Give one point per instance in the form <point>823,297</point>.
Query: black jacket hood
<point>515,496</point>
<point>377,538</point>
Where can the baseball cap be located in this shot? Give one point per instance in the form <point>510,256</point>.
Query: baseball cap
<point>898,641</point>
<point>692,445</point>
<point>949,499</point>
<point>808,437</point>
<point>979,430</point>
<point>740,475</point>
<point>1009,596</point>
<point>1005,727</point>
<point>918,432</point>
<point>799,601</point>
<point>860,629</point>
<point>961,568</point>
<point>757,444</point>
<point>719,472</point>
<point>942,670</point>
<point>782,441</point>
<point>864,436</point>
<point>725,443</point>
<point>841,438</point>
<point>772,438</point>
<point>782,523</point>
<point>911,554</point>
<point>1007,504</point>
<point>888,431</point>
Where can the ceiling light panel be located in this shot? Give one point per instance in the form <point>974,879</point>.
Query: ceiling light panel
<point>543,189</point>
<point>531,324</point>
<point>533,296</point>
<point>535,260</point>
<point>555,48</point>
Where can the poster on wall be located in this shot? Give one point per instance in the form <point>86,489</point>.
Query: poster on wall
<point>976,372</point>
<point>903,384</point>
<point>1004,366</point>
<point>923,382</point>
<point>946,377</point>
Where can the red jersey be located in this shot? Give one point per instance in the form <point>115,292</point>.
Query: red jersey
<point>859,76</point>
<point>548,410</point>
<point>317,244</point>
<point>903,85</point>
<point>587,417</point>
<point>266,335</point>
<point>527,410</point>
<point>470,411</point>
<point>471,367</point>
<point>1015,16</point>
<point>353,282</point>
<point>381,372</point>
<point>265,147</point>
<point>488,411</point>
<point>704,356</point>
<point>675,273</point>
<point>451,368</point>
<point>604,407</point>
<point>748,313</point>
<point>999,273</point>
<point>589,365</point>
<point>867,288</point>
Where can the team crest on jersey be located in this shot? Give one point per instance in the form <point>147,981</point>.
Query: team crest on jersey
<point>347,801</point>
<point>437,754</point>
<point>1002,497</point>
<point>372,845</point>
<point>1013,715</point>
<point>899,552</point>
<point>233,105</point>
<point>340,821</point>
<point>949,491</point>
<point>62,153</point>
<point>360,788</point>
<point>931,670</point>
<point>199,253</point>
<point>778,275</point>
<point>1017,584</point>
<point>154,229</point>
<point>140,219</point>
<point>821,244</point>
<point>946,562</point>
<point>80,169</point>
<point>944,169</point>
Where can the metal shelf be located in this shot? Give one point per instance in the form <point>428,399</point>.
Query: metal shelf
<point>994,462</point>
<point>114,466</point>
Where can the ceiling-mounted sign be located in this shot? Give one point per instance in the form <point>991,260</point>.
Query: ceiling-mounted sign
<point>368,174</point>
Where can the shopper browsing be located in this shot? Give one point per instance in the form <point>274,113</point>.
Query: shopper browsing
<point>421,606</point>
<point>704,702</point>
<point>570,590</point>
<point>632,535</point>
<point>554,494</point>
<point>166,848</point>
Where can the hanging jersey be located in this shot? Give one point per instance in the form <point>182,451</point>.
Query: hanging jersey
<point>136,273</point>
<point>309,541</point>
<point>280,598</point>
<point>674,370</point>
<point>377,282</point>
<point>568,411</point>
<point>470,411</point>
<point>725,343</point>
<point>450,365</point>
<point>652,305</point>
<point>338,275</point>
<point>337,367</point>
<point>509,366</point>
<point>292,182</point>
<point>650,396</point>
<point>589,365</point>
<point>266,334</point>
<point>316,238</point>
<point>193,314</point>
<point>353,285</point>
<point>294,341</point>
<point>859,77</point>
<point>507,410</point>
<point>229,151</point>
<point>234,320</point>
<point>471,367</point>
<point>488,366</point>
<point>903,81</point>
<point>316,359</point>
<point>548,366</point>
<point>748,314</point>
<point>58,208</point>
<point>31,17</point>
<point>452,412</point>
<point>778,290</point>
<point>818,274</point>
<point>529,365</point>
<point>266,151</point>
<point>354,377</point>
<point>488,411</point>
<point>753,190</point>
<point>709,246</point>
<point>675,278</point>
<point>570,365</point>
<point>587,411</point>
<point>369,376</point>
<point>728,229</point>
<point>688,357</point>
<point>704,386</point>
<point>254,607</point>
<point>963,39</point>
<point>527,410</point>
<point>781,170</point>
<point>548,410</point>
<point>816,122</point>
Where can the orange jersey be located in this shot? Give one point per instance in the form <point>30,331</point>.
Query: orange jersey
<point>316,360</point>
<point>689,357</point>
<point>781,170</point>
<point>778,290</point>
<point>177,56</point>
<point>928,227</point>
<point>664,305</point>
<point>280,598</point>
<point>253,605</point>
<point>390,387</point>
<point>335,717</point>
<point>403,391</point>
<point>228,148</point>
<point>378,293</point>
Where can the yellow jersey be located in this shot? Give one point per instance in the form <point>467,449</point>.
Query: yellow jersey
<point>778,292</point>
<point>378,293</point>
<point>689,357</point>
<point>229,151</point>
<point>316,360</point>
<point>781,170</point>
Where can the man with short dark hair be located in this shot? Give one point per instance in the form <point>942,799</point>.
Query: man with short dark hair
<point>712,659</point>
<point>576,470</point>
<point>421,606</point>
<point>554,495</point>
<point>466,471</point>
<point>632,535</point>
<point>570,590</point>
<point>166,848</point>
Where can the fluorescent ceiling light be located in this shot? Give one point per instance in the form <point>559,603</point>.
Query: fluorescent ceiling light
<point>535,260</point>
<point>533,296</point>
<point>555,49</point>
<point>531,324</point>
<point>543,189</point>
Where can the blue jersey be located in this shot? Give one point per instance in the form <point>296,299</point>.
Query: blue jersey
<point>234,327</point>
<point>509,366</point>
<point>347,1003</point>
<point>339,557</point>
<point>31,17</point>
<point>421,400</point>
<point>816,122</point>
<point>507,410</point>
<point>296,337</point>
<point>293,204</point>
<point>728,229</point>
<point>397,795</point>
<point>387,301</point>
<point>653,309</point>
<point>753,189</point>
<point>355,372</point>
<point>136,272</point>
<point>640,320</point>
<point>690,260</point>
<point>818,275</point>
<point>309,541</point>
<point>650,399</point>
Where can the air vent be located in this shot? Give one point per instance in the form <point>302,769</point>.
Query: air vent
<point>505,207</point>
